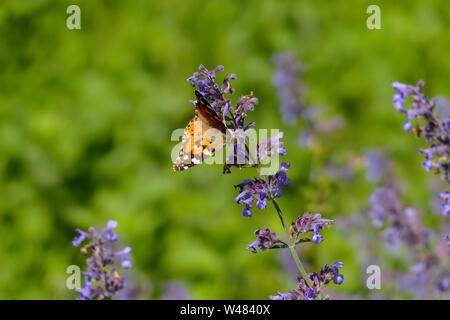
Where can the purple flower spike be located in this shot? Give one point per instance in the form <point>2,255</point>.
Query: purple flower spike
<point>100,264</point>
<point>233,117</point>
<point>446,236</point>
<point>317,238</point>
<point>271,146</point>
<point>210,90</point>
<point>110,234</point>
<point>86,291</point>
<point>265,239</point>
<point>435,131</point>
<point>310,294</point>
<point>289,87</point>
<point>445,207</point>
<point>309,223</point>
<point>291,295</point>
<point>378,165</point>
<point>261,190</point>
<point>318,282</point>
<point>124,255</point>
<point>77,240</point>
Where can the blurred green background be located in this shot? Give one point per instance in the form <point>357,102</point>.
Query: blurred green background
<point>86,117</point>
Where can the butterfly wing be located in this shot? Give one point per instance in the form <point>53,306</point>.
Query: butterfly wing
<point>196,144</point>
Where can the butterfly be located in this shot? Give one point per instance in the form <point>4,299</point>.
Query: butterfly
<point>196,146</point>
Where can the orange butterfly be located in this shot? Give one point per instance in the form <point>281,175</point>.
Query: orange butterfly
<point>196,146</point>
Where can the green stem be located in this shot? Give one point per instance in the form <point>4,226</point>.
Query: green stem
<point>280,214</point>
<point>294,253</point>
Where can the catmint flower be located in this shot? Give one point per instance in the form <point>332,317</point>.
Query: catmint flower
<point>378,165</point>
<point>309,223</point>
<point>245,103</point>
<point>443,286</point>
<point>265,239</point>
<point>435,131</point>
<point>257,190</point>
<point>330,125</point>
<point>111,236</point>
<point>392,237</point>
<point>215,94</point>
<point>207,86</point>
<point>306,139</point>
<point>124,255</point>
<point>175,290</point>
<point>427,278</point>
<point>343,172</point>
<point>403,227</point>
<point>289,87</point>
<point>100,264</point>
<point>446,236</point>
<point>290,91</point>
<point>239,157</point>
<point>445,207</point>
<point>403,92</point>
<point>382,202</point>
<point>318,281</point>
<point>332,273</point>
<point>262,189</point>
<point>271,146</point>
<point>403,222</point>
<point>291,295</point>
<point>86,291</point>
<point>82,235</point>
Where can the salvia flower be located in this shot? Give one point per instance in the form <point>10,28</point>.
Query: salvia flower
<point>262,189</point>
<point>435,131</point>
<point>309,223</point>
<point>318,282</point>
<point>102,281</point>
